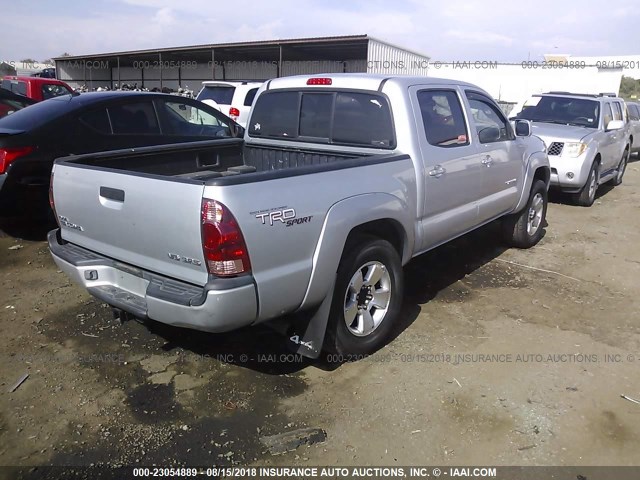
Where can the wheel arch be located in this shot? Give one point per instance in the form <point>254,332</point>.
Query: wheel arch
<point>379,214</point>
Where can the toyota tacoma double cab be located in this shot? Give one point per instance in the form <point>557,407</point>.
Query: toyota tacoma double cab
<point>588,140</point>
<point>307,222</point>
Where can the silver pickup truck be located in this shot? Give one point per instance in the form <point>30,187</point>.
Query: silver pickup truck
<point>307,222</point>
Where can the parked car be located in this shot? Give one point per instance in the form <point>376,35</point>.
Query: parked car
<point>231,98</point>
<point>32,138</point>
<point>10,102</point>
<point>587,138</point>
<point>633,109</point>
<point>339,182</point>
<point>36,88</point>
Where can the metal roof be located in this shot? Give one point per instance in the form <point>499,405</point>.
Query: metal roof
<point>253,46</point>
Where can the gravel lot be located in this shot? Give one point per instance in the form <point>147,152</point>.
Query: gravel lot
<point>495,364</point>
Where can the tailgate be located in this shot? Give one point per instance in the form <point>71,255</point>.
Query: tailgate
<point>148,222</point>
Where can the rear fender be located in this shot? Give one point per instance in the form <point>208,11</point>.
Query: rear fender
<point>342,218</point>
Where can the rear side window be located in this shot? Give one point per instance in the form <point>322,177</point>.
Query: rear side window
<point>634,114</point>
<point>134,118</point>
<point>15,86</point>
<point>220,94</point>
<point>444,124</point>
<point>251,94</point>
<point>345,118</point>
<point>97,120</point>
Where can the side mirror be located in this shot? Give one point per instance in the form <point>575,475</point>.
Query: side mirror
<point>489,134</point>
<point>615,125</point>
<point>236,130</point>
<point>523,128</point>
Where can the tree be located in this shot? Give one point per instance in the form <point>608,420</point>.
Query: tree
<point>65,54</point>
<point>28,60</point>
<point>630,88</point>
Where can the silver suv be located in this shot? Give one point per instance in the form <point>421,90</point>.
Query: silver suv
<point>231,98</point>
<point>587,138</point>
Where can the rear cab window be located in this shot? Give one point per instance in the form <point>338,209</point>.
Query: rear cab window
<point>360,119</point>
<point>15,86</point>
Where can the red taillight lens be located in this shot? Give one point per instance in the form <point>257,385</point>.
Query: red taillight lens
<point>51,202</point>
<point>319,81</point>
<point>8,155</point>
<point>234,113</point>
<point>225,250</point>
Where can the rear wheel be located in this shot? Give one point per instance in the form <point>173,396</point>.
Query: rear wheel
<point>367,297</point>
<point>587,195</point>
<point>622,166</point>
<point>525,228</point>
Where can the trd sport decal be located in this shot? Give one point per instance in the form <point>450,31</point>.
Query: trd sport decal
<point>281,214</point>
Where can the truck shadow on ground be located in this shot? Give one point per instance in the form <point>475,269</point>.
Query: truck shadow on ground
<point>565,198</point>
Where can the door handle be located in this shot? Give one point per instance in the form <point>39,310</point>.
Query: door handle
<point>437,171</point>
<point>114,194</point>
<point>488,161</point>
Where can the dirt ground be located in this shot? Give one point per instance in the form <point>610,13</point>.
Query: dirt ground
<point>494,364</point>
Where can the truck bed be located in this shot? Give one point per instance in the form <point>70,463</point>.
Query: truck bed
<point>202,161</point>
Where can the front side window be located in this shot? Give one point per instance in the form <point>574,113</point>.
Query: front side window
<point>444,123</point>
<point>51,91</point>
<point>491,125</point>
<point>134,118</point>
<point>617,111</point>
<point>186,119</point>
<point>608,115</point>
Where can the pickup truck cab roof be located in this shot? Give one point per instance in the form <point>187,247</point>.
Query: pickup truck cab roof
<point>358,81</point>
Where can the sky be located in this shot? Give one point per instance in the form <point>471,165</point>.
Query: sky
<point>451,30</point>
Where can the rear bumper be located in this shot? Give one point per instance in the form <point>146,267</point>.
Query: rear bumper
<point>219,306</point>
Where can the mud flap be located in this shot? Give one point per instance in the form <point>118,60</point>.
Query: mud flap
<point>305,331</point>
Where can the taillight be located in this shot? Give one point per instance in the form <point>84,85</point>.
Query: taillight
<point>319,81</point>
<point>8,155</point>
<point>234,113</point>
<point>225,250</point>
<point>51,202</point>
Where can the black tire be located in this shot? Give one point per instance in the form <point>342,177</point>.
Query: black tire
<point>622,167</point>
<point>363,254</point>
<point>516,228</point>
<point>587,196</point>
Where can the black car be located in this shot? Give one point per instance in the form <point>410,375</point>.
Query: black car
<point>11,102</point>
<point>31,139</point>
